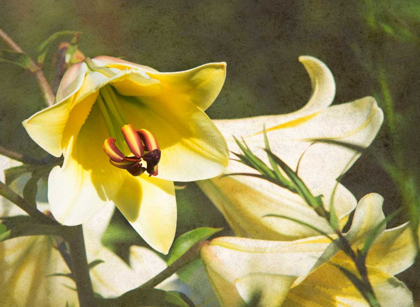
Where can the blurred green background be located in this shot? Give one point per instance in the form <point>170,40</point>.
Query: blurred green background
<point>372,48</point>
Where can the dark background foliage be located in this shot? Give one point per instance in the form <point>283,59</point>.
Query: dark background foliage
<point>371,47</point>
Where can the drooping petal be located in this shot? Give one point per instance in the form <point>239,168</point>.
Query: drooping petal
<point>394,251</point>
<point>355,123</point>
<point>86,181</point>
<point>200,85</point>
<point>328,287</point>
<point>367,216</point>
<point>192,147</point>
<point>149,204</point>
<point>228,260</point>
<point>323,92</point>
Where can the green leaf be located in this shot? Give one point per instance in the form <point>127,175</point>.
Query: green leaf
<point>371,237</point>
<point>273,163</point>
<point>302,189</point>
<point>13,173</point>
<point>188,240</point>
<point>365,290</point>
<point>31,188</point>
<point>22,226</point>
<point>16,58</point>
<point>94,263</point>
<point>150,297</point>
<point>45,46</point>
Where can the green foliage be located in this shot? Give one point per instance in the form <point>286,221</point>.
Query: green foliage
<point>16,58</point>
<point>188,240</point>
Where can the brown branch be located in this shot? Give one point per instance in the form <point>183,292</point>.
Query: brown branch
<point>49,96</point>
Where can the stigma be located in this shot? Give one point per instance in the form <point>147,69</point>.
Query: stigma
<point>144,149</point>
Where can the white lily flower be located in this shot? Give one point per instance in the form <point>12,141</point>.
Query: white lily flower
<point>304,272</point>
<point>244,201</point>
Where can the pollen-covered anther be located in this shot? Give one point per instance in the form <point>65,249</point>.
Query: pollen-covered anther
<point>152,158</point>
<point>133,140</point>
<point>112,150</point>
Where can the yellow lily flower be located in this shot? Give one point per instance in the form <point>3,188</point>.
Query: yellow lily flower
<point>303,272</point>
<point>96,99</point>
<point>245,200</point>
<point>27,262</point>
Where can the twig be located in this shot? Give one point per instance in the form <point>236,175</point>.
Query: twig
<point>23,158</point>
<point>7,193</point>
<point>80,268</point>
<point>42,81</point>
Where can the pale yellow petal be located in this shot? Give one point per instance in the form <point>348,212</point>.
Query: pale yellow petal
<point>137,83</point>
<point>245,201</point>
<point>192,147</point>
<point>87,181</point>
<point>394,251</point>
<point>120,63</point>
<point>323,91</point>
<point>149,205</point>
<point>270,290</point>
<point>367,216</point>
<point>200,85</point>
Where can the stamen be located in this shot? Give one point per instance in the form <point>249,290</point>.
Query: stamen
<point>149,139</point>
<point>112,151</point>
<point>111,105</point>
<point>124,164</point>
<point>133,140</point>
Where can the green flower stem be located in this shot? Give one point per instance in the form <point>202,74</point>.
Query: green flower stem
<point>45,87</point>
<point>9,194</point>
<point>80,268</point>
<point>132,296</point>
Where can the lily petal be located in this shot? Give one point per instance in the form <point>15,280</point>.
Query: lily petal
<point>328,287</point>
<point>87,181</point>
<point>394,251</point>
<point>149,204</point>
<point>192,147</point>
<point>323,92</point>
<point>367,216</point>
<point>200,85</point>
<point>270,290</point>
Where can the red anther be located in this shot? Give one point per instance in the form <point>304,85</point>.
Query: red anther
<point>133,140</point>
<point>148,139</point>
<point>112,150</point>
<point>136,170</point>
<point>124,164</point>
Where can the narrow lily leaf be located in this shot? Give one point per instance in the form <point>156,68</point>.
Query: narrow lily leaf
<point>94,263</point>
<point>354,147</point>
<point>45,46</point>
<point>16,58</point>
<point>31,188</point>
<point>335,224</point>
<point>30,229</point>
<point>60,275</point>
<point>360,286</point>
<point>273,163</point>
<point>253,159</point>
<point>373,234</point>
<point>314,202</point>
<point>302,223</point>
<point>183,297</point>
<point>3,229</point>
<point>15,172</point>
<point>188,240</point>
<point>150,297</point>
